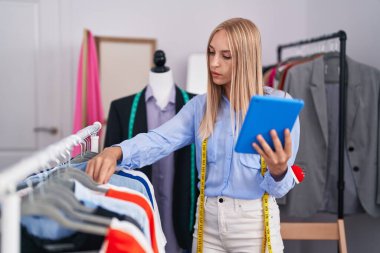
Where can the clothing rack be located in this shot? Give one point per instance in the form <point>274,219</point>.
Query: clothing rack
<point>10,201</point>
<point>342,103</point>
<point>318,231</point>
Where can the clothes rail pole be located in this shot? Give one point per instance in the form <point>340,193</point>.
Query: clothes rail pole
<point>10,201</point>
<point>338,228</point>
<point>341,35</point>
<point>342,121</point>
<point>342,103</point>
<point>25,167</point>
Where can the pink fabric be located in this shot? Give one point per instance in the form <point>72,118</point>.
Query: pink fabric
<point>271,77</point>
<point>93,101</point>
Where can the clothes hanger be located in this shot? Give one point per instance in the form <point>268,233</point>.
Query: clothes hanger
<point>50,197</point>
<point>66,195</point>
<point>56,183</point>
<point>54,207</point>
<point>90,154</point>
<point>47,191</point>
<point>71,174</point>
<point>79,157</point>
<point>42,208</point>
<point>85,158</point>
<point>86,155</point>
<point>331,62</point>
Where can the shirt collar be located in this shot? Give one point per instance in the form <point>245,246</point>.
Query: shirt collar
<point>149,94</point>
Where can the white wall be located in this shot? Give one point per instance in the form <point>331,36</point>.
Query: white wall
<point>360,20</point>
<point>183,27</point>
<point>180,27</point>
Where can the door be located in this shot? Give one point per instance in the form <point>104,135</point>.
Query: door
<point>28,78</point>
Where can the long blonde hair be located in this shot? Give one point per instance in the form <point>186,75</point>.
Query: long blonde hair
<point>244,42</point>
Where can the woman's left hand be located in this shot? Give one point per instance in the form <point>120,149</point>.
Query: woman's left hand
<point>277,159</point>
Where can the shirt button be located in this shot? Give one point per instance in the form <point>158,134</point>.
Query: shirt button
<point>221,200</point>
<point>356,168</point>
<point>351,149</point>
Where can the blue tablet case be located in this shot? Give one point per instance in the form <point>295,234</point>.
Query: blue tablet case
<point>264,114</point>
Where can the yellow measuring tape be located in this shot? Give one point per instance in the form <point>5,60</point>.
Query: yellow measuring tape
<point>265,199</point>
<point>201,211</point>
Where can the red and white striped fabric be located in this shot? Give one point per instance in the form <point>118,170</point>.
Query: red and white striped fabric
<point>157,236</point>
<point>124,237</point>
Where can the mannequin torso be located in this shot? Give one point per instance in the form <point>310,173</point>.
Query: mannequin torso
<point>162,85</point>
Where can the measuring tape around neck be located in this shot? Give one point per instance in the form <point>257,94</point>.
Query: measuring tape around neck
<point>265,200</point>
<point>132,118</point>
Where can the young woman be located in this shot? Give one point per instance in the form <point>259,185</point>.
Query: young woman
<point>234,186</point>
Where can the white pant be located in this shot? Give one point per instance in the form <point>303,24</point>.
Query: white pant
<point>236,225</point>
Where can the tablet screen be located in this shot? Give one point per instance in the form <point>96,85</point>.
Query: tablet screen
<point>264,114</point>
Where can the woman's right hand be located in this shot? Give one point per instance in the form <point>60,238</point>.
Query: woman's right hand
<point>102,166</point>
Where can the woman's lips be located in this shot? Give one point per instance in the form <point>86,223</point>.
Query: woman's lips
<point>215,74</point>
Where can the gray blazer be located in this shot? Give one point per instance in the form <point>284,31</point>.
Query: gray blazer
<point>306,81</point>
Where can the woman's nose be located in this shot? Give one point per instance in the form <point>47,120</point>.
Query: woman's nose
<point>214,61</point>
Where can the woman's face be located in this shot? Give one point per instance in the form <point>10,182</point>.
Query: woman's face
<point>220,59</point>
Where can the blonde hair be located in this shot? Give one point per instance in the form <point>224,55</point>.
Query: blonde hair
<point>244,42</point>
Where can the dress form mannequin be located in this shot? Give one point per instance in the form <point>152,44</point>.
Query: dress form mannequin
<point>161,79</point>
<point>174,176</point>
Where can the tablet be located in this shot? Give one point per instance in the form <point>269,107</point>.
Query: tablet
<point>264,114</point>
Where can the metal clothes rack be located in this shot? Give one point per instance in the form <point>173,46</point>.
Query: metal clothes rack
<point>338,230</point>
<point>342,102</point>
<point>10,201</point>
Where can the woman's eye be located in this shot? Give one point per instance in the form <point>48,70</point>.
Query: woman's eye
<point>227,57</point>
<point>211,52</point>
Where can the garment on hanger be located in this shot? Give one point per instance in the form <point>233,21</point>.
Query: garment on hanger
<point>271,75</point>
<point>39,236</point>
<point>88,101</point>
<point>139,178</point>
<point>74,243</point>
<point>131,195</point>
<point>46,228</point>
<point>47,234</point>
<point>318,141</point>
<point>125,195</point>
<point>152,229</point>
<point>125,178</point>
<point>122,237</point>
<point>64,210</point>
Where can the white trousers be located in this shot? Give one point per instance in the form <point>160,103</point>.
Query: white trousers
<point>236,225</point>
